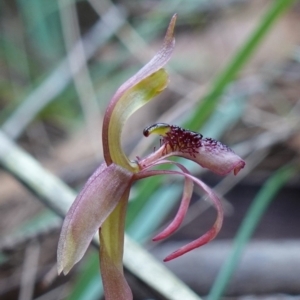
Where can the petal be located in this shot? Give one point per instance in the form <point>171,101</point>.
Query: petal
<point>99,197</point>
<point>216,157</point>
<point>111,253</point>
<point>133,94</point>
<point>210,234</point>
<point>207,152</point>
<point>184,205</point>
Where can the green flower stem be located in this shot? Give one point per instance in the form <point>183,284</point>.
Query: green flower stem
<point>210,101</point>
<point>255,213</point>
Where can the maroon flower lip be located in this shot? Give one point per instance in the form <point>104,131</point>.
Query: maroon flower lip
<point>207,152</point>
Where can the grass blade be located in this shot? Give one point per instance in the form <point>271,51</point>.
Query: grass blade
<point>255,212</point>
<point>59,78</point>
<point>210,101</point>
<point>88,285</point>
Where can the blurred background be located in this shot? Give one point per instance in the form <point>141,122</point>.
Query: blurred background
<point>234,76</point>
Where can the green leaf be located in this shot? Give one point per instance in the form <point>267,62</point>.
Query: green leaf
<point>260,204</point>
<point>88,286</point>
<point>243,55</point>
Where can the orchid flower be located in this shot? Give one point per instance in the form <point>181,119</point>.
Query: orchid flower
<point>101,205</point>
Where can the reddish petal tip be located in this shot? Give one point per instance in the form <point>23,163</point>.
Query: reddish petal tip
<point>204,239</point>
<point>157,238</point>
<point>172,256</point>
<point>240,166</point>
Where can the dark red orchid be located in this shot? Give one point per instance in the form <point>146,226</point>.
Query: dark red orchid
<point>101,205</point>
